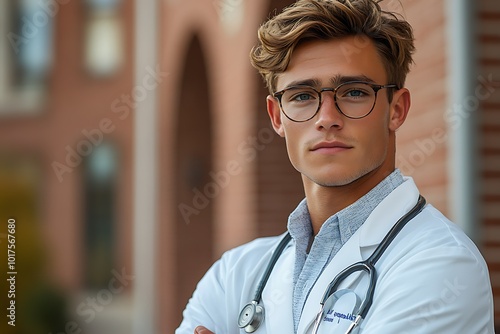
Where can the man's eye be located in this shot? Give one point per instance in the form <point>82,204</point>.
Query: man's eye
<point>355,93</point>
<point>302,96</point>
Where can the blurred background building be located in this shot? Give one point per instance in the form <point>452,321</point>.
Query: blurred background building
<point>135,148</point>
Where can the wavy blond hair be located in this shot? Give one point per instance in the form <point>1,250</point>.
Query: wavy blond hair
<point>332,19</point>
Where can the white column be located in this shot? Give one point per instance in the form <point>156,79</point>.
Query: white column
<point>145,171</point>
<point>462,168</point>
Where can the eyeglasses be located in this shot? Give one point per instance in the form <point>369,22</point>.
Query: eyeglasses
<point>354,99</point>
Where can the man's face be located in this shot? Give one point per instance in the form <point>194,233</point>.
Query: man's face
<point>331,149</point>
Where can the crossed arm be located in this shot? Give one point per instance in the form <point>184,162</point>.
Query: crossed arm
<point>202,330</point>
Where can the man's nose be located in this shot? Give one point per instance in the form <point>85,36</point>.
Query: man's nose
<point>328,115</point>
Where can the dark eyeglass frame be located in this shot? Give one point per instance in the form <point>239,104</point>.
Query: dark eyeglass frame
<point>278,95</point>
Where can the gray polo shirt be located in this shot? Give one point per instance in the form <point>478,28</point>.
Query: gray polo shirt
<point>334,233</point>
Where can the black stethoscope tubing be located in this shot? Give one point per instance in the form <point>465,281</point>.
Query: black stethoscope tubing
<point>277,253</point>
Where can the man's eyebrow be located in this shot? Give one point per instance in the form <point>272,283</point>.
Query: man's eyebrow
<point>335,81</point>
<point>340,79</point>
<point>305,82</point>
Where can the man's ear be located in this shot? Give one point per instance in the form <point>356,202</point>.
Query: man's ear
<point>274,111</point>
<point>400,106</point>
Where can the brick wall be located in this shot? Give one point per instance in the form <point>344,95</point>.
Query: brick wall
<point>76,102</point>
<point>419,155</point>
<point>488,39</point>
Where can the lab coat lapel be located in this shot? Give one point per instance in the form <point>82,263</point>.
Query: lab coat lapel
<point>278,293</point>
<point>388,212</point>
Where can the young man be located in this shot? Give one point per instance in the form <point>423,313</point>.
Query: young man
<point>336,71</point>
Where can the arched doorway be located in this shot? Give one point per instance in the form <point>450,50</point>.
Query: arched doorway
<point>194,223</point>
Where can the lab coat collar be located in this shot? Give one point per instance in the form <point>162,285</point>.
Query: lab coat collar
<point>385,215</point>
<point>371,233</point>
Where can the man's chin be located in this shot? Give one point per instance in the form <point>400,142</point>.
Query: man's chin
<point>330,181</point>
<point>337,179</point>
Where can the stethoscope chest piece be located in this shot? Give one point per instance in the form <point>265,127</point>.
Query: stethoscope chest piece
<point>251,317</point>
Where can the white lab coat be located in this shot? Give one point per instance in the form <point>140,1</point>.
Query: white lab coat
<point>431,279</point>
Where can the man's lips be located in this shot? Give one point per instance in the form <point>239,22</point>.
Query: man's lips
<point>332,146</point>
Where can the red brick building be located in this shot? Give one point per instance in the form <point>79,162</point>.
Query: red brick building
<point>146,150</point>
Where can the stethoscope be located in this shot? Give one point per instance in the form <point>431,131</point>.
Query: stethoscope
<point>252,314</point>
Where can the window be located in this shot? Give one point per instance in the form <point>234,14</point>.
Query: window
<point>100,170</point>
<point>25,54</point>
<point>104,38</point>
<point>231,14</point>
